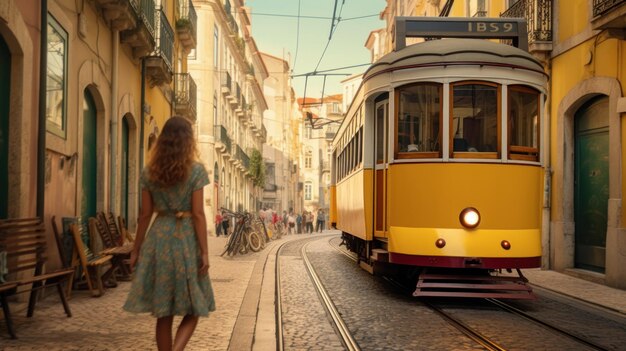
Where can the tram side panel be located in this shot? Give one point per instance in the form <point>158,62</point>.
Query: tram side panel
<point>426,200</point>
<point>354,204</point>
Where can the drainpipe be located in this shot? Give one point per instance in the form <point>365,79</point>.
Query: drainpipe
<point>547,187</point>
<point>41,132</point>
<point>143,115</point>
<point>114,116</point>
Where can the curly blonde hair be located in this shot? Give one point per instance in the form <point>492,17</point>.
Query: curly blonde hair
<point>174,153</point>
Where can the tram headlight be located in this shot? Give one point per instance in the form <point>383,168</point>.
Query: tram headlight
<point>469,218</point>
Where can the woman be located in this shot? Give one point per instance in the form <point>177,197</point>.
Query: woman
<point>172,259</point>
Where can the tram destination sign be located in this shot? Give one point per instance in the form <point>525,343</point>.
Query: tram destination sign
<point>447,27</point>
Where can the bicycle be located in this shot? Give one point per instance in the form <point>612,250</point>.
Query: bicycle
<point>243,238</point>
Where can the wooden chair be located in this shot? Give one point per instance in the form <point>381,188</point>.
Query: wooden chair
<point>124,230</point>
<point>65,254</point>
<point>90,263</point>
<point>23,243</point>
<point>120,253</point>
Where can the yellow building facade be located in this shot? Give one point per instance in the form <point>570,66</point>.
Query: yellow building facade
<point>90,85</point>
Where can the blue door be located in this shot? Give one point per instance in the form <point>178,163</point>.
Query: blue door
<point>90,157</point>
<point>591,184</point>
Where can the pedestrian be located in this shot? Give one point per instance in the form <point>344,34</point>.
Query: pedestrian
<point>299,223</point>
<point>218,222</point>
<point>226,225</point>
<point>320,221</point>
<point>171,261</point>
<point>309,222</point>
<point>291,221</point>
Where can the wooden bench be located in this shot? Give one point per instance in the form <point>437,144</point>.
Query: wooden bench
<point>24,241</point>
<point>91,264</point>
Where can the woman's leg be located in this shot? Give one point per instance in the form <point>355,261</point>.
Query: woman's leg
<point>164,333</point>
<point>184,332</point>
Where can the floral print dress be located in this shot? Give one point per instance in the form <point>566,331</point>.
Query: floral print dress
<point>166,281</point>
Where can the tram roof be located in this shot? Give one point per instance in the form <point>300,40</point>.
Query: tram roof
<point>455,51</point>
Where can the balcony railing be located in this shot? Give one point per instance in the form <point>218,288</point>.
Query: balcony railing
<point>600,7</point>
<point>165,39</point>
<point>159,63</point>
<point>221,136</point>
<point>538,15</point>
<point>609,14</point>
<point>145,10</point>
<point>135,18</point>
<point>185,95</point>
<point>243,157</point>
<point>226,82</point>
<point>187,24</point>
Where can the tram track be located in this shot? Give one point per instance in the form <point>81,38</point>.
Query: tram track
<point>560,331</point>
<point>342,331</point>
<point>473,333</point>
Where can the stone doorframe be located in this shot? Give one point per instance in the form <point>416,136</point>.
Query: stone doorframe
<point>562,233</point>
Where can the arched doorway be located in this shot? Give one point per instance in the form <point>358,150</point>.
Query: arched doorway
<point>591,183</point>
<point>90,157</point>
<point>5,94</point>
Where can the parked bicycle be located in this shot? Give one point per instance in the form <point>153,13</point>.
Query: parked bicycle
<point>244,238</point>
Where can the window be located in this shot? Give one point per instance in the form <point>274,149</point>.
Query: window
<point>419,120</point>
<point>308,131</point>
<point>381,113</point>
<point>474,125</point>
<point>56,82</point>
<point>216,41</point>
<point>308,187</point>
<point>523,123</point>
<point>215,121</point>
<point>308,159</point>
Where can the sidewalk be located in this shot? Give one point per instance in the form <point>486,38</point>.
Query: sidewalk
<point>244,319</point>
<point>581,289</point>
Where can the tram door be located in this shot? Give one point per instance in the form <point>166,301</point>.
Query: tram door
<point>591,184</point>
<point>5,94</point>
<point>380,166</point>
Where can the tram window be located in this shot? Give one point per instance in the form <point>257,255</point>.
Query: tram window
<point>380,134</point>
<point>474,120</point>
<point>418,121</point>
<point>523,123</point>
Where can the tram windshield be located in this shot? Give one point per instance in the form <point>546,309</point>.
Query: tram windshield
<point>474,118</point>
<point>419,120</point>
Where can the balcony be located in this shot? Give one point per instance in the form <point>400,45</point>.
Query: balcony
<point>609,14</point>
<point>187,24</point>
<point>185,95</point>
<point>159,63</point>
<point>243,158</point>
<point>135,20</point>
<point>235,94</point>
<point>222,141</point>
<point>538,15</point>
<point>226,83</point>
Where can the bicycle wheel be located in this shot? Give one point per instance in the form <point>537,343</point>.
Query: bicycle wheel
<point>255,241</point>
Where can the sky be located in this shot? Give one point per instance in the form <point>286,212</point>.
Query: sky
<point>303,41</point>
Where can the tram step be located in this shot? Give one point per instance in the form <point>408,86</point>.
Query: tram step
<point>380,255</point>
<point>452,284</point>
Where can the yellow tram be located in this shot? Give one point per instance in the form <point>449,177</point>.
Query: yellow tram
<point>438,163</point>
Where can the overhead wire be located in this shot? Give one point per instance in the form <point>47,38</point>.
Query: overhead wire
<point>295,58</point>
